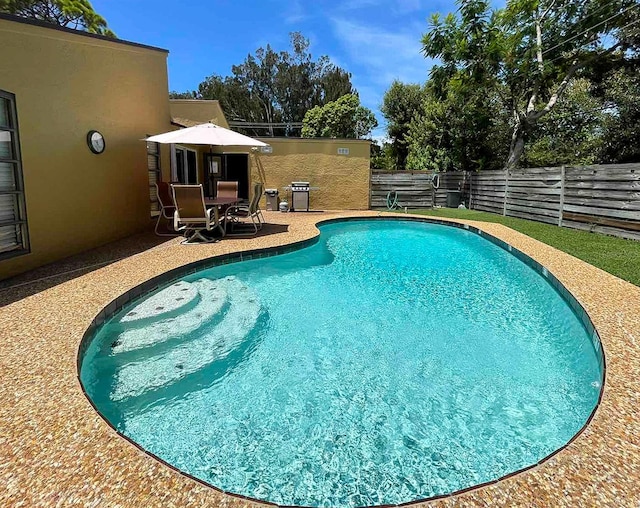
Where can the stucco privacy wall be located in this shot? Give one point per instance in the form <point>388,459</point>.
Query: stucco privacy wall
<point>343,180</point>
<point>67,83</point>
<point>198,111</point>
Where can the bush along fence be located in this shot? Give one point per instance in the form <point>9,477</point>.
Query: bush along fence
<point>603,199</point>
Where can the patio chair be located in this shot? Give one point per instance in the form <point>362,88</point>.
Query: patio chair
<point>191,215</point>
<point>251,211</point>
<point>167,209</point>
<point>227,190</point>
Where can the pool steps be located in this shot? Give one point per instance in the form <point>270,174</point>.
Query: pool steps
<point>242,312</point>
<point>210,298</point>
<point>168,301</point>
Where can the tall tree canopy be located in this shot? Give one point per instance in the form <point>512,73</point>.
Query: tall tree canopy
<point>272,86</point>
<point>460,129</point>
<point>77,14</point>
<point>539,82</point>
<point>621,100</point>
<point>529,52</point>
<point>342,118</point>
<point>400,104</point>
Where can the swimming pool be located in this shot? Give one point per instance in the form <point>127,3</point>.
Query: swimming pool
<point>390,361</point>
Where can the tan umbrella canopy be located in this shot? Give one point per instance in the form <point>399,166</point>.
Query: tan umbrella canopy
<point>206,134</point>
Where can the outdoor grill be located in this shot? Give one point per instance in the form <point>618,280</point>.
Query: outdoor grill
<point>300,196</point>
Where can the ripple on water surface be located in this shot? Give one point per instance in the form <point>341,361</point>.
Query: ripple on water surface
<point>389,362</point>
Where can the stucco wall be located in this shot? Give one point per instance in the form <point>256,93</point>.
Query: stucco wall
<point>343,180</point>
<point>65,85</point>
<point>198,111</point>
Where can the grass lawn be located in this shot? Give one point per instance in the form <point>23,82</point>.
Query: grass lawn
<point>614,255</point>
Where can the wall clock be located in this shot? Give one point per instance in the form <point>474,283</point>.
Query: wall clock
<point>96,143</point>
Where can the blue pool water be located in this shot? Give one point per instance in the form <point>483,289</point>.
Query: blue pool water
<point>390,361</point>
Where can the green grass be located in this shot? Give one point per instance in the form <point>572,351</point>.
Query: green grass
<point>614,255</point>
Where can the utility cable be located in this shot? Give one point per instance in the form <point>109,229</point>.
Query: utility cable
<point>590,28</point>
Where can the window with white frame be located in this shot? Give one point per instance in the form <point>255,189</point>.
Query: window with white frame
<point>14,237</point>
<point>185,165</point>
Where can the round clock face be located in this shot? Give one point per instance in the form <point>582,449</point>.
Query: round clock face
<point>95,140</point>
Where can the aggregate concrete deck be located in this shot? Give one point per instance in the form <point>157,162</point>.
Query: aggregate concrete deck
<point>55,450</point>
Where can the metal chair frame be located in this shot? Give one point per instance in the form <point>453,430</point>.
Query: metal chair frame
<point>166,209</point>
<point>196,217</point>
<point>252,211</point>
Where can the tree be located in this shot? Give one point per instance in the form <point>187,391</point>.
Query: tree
<point>301,83</point>
<point>530,51</point>
<point>182,95</point>
<point>343,118</point>
<point>276,87</point>
<point>459,130</point>
<point>429,142</point>
<point>238,102</point>
<point>571,133</point>
<point>401,102</point>
<point>381,157</point>
<point>77,14</point>
<point>621,111</point>
<point>334,82</point>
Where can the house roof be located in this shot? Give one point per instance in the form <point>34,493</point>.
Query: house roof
<point>82,33</point>
<point>184,122</point>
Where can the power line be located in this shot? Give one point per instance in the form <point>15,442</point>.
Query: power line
<point>582,33</point>
<point>590,28</point>
<point>560,57</point>
<point>533,45</point>
<point>589,42</point>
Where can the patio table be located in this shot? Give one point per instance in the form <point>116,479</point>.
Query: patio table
<point>223,204</point>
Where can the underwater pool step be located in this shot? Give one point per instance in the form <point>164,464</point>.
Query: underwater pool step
<point>212,295</point>
<point>167,301</point>
<point>157,371</point>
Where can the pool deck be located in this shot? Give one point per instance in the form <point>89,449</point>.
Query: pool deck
<point>55,450</point>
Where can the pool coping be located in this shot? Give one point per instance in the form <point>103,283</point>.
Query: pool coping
<point>171,276</point>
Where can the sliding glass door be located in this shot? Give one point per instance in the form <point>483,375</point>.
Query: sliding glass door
<point>185,169</point>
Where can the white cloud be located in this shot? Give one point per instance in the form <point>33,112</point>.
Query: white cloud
<point>295,13</point>
<point>405,6</point>
<point>397,6</point>
<point>351,5</point>
<point>377,56</point>
<point>383,55</point>
<point>369,95</point>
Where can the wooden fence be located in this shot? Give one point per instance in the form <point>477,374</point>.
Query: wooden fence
<point>414,187</point>
<point>604,199</point>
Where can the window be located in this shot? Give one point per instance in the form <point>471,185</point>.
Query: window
<point>153,165</point>
<point>185,168</point>
<point>14,237</point>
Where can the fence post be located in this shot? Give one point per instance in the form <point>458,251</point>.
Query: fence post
<point>562,177</point>
<point>433,191</point>
<point>506,191</point>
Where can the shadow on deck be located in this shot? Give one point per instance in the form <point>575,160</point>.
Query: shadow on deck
<point>47,276</point>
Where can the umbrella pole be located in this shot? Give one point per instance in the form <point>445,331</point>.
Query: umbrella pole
<point>209,174</point>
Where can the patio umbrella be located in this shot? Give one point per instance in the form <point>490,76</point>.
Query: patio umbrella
<point>206,134</point>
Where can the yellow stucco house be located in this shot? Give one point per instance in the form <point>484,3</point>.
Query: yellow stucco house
<point>74,173</point>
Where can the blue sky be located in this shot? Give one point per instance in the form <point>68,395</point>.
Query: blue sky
<point>376,40</point>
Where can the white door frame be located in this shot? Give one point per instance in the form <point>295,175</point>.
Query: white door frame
<point>174,172</point>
